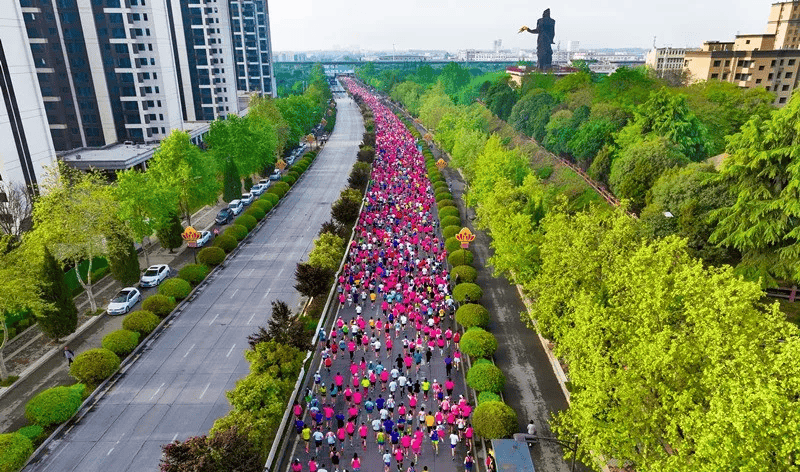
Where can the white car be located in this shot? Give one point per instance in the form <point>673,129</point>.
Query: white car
<point>265,182</point>
<point>258,189</point>
<point>247,199</point>
<point>235,207</point>
<point>154,275</point>
<point>124,301</point>
<point>276,175</point>
<point>205,237</point>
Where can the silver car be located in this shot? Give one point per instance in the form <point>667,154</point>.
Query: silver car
<point>124,301</point>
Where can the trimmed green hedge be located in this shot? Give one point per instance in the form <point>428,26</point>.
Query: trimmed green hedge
<point>450,221</point>
<point>477,342</point>
<point>443,196</point>
<point>450,231</point>
<point>289,179</point>
<point>256,212</point>
<point>272,198</point>
<point>141,321</point>
<point>452,244</point>
<point>472,314</point>
<point>15,449</point>
<point>449,211</point>
<point>467,292</point>
<point>446,204</point>
<point>486,378</point>
<point>160,304</point>
<point>194,273</point>
<point>237,231</point>
<point>247,221</point>
<point>211,256</point>
<point>54,405</point>
<point>121,342</point>
<point>176,288</point>
<point>494,420</point>
<point>488,396</point>
<point>463,273</point>
<point>263,205</point>
<point>279,188</point>
<point>226,241</point>
<point>95,365</point>
<point>460,257</point>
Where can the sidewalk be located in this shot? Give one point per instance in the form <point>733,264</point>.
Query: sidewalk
<point>38,361</point>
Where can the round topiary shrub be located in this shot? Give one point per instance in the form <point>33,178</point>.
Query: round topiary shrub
<point>289,179</point>
<point>15,449</point>
<point>262,205</point>
<point>460,257</point>
<point>280,188</point>
<point>121,342</point>
<point>54,405</point>
<point>247,221</point>
<point>486,378</point>
<point>211,256</point>
<point>439,185</point>
<point>160,304</point>
<point>446,204</point>
<point>463,273</point>
<point>449,211</point>
<point>269,197</point>
<point>450,221</point>
<point>494,420</point>
<point>226,242</point>
<point>32,432</point>
<point>443,196</point>
<point>452,244</point>
<point>472,314</point>
<point>294,173</point>
<point>477,342</point>
<point>256,212</point>
<point>95,365</point>
<point>487,396</point>
<point>176,288</point>
<point>237,231</point>
<point>194,273</point>
<point>467,292</point>
<point>450,231</point>
<point>143,322</point>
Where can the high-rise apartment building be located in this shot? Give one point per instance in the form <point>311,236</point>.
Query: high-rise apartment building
<point>770,60</point>
<point>252,46</point>
<point>666,60</point>
<point>27,147</point>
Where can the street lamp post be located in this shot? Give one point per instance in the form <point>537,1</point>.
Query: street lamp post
<point>571,445</point>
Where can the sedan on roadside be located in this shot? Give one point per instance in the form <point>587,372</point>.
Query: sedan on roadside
<point>258,189</point>
<point>205,237</point>
<point>235,207</point>
<point>224,216</point>
<point>154,275</point>
<point>123,301</point>
<point>247,199</point>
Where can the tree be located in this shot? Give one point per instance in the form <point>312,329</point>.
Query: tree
<point>283,327</point>
<point>327,252</point>
<point>589,139</point>
<point>142,204</point>
<point>122,256</point>
<point>531,114</point>
<point>72,218</point>
<point>60,317</point>
<point>232,186</point>
<point>359,176</point>
<point>345,211</point>
<point>501,98</point>
<point>225,450</point>
<point>312,281</point>
<point>15,209</point>
<point>181,167</point>
<point>169,233</point>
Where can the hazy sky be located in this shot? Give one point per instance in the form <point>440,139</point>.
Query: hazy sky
<point>460,24</point>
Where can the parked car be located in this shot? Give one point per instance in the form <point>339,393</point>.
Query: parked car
<point>154,275</point>
<point>247,199</point>
<point>276,175</point>
<point>265,182</point>
<point>205,237</point>
<point>236,207</point>
<point>257,189</point>
<point>224,216</point>
<point>123,301</point>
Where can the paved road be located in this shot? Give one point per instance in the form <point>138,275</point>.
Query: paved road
<point>177,388</point>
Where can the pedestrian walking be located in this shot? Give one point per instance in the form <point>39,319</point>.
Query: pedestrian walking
<point>69,355</point>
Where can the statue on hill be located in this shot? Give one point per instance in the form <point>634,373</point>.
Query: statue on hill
<point>546,29</point>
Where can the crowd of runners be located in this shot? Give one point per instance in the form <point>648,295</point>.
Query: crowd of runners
<point>385,386</point>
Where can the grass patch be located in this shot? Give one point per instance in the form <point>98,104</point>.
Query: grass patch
<point>6,382</point>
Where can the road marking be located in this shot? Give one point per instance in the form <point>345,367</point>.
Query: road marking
<point>174,437</point>
<point>190,350</point>
<point>204,391</point>
<point>158,389</point>
<point>279,273</point>
<point>251,272</point>
<point>109,451</point>
<point>265,295</point>
<point>230,351</point>
<point>213,320</point>
<point>251,318</point>
<point>234,293</point>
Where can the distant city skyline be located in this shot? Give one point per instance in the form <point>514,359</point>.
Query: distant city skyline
<point>306,25</point>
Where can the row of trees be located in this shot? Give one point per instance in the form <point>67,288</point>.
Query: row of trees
<point>674,363</point>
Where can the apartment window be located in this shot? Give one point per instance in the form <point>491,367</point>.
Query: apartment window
<point>737,77</point>
<point>727,63</point>
<point>772,64</point>
<point>788,75</point>
<point>747,41</point>
<point>791,62</point>
<point>781,63</point>
<point>724,76</point>
<point>717,63</point>
<point>782,100</point>
<point>769,77</point>
<point>758,81</point>
<point>785,88</point>
<point>760,67</point>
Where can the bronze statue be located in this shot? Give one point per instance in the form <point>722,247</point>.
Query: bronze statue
<point>546,29</point>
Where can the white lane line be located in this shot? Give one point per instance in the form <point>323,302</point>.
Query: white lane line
<point>234,293</point>
<point>251,318</point>
<point>109,451</point>
<point>213,319</point>
<point>279,273</point>
<point>230,351</point>
<point>174,437</point>
<point>157,390</point>
<point>266,294</point>
<point>190,350</point>
<point>251,272</point>
<point>204,391</point>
